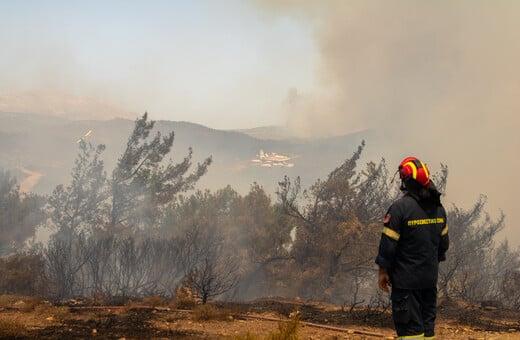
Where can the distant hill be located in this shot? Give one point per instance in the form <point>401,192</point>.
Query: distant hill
<point>48,145</point>
<point>270,132</point>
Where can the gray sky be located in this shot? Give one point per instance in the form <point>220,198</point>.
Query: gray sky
<point>224,64</point>
<point>439,79</point>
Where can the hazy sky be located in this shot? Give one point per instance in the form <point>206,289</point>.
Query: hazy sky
<point>223,63</point>
<point>437,79</point>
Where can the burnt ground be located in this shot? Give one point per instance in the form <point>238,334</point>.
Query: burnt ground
<point>259,319</point>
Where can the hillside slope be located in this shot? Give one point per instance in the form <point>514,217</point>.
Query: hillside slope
<point>48,146</point>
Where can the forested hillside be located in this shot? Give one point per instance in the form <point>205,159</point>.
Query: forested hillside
<point>48,145</point>
<point>141,227</point>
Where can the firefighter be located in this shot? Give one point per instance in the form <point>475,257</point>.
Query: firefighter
<point>413,242</point>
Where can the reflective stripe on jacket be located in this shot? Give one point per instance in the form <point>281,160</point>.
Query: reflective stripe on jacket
<point>413,243</point>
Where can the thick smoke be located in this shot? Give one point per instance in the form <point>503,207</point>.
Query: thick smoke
<point>439,80</point>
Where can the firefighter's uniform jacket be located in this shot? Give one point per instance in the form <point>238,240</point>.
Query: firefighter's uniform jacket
<point>413,243</point>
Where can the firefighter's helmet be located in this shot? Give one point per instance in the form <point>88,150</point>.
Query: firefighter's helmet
<point>412,168</point>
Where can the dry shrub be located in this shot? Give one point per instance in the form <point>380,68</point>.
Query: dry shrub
<point>210,312</point>
<point>12,329</point>
<point>287,330</point>
<point>154,301</point>
<point>58,313</point>
<point>8,300</point>
<point>25,304</point>
<point>30,304</point>
<point>21,274</point>
<point>118,300</point>
<point>184,299</point>
<point>247,336</point>
<point>98,299</point>
<point>131,303</point>
<point>46,309</point>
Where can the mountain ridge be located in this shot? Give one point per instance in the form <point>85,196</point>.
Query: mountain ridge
<point>48,145</point>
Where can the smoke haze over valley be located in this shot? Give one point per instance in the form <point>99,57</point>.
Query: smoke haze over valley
<point>437,80</point>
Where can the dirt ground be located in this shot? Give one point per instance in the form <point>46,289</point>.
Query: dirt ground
<point>28,318</point>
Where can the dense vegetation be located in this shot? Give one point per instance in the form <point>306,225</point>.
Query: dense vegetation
<point>143,231</point>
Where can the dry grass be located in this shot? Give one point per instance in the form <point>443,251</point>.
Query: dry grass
<point>28,318</point>
<point>247,336</point>
<point>25,304</point>
<point>52,313</point>
<point>185,299</point>
<point>287,330</point>
<point>208,312</point>
<point>155,301</point>
<point>30,304</point>
<point>9,300</point>
<point>30,311</point>
<point>11,328</point>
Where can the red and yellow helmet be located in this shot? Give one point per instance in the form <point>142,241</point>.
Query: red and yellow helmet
<point>417,170</point>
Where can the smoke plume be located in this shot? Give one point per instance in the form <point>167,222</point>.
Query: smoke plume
<point>438,80</point>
